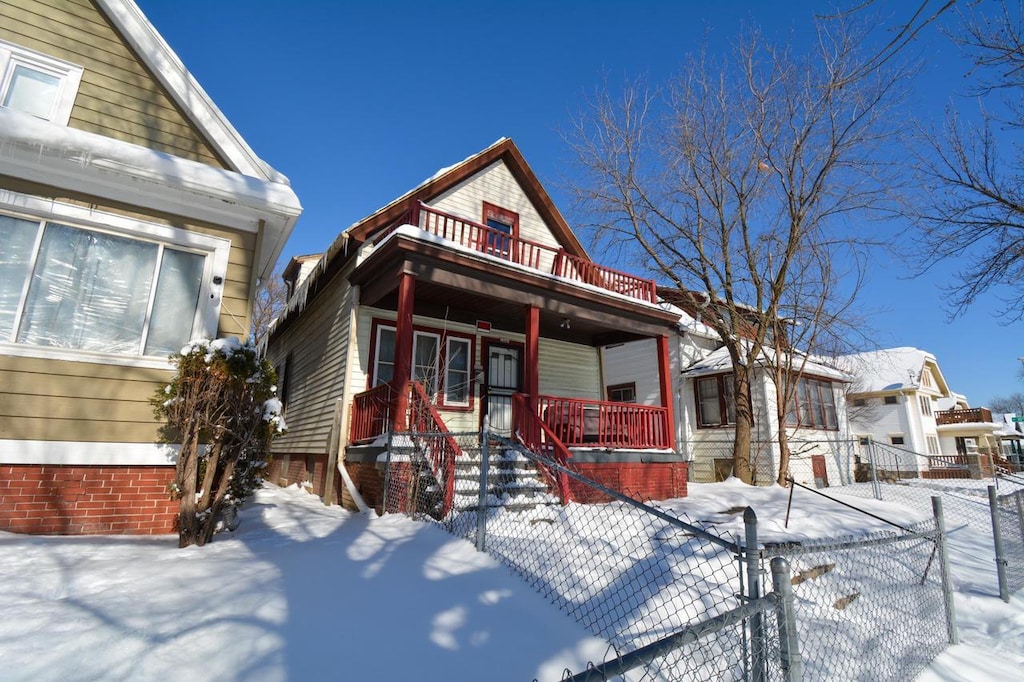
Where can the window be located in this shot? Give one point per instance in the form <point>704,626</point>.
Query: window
<point>860,402</point>
<point>447,377</point>
<point>926,378</point>
<point>284,381</point>
<point>622,393</point>
<point>926,405</point>
<point>503,222</point>
<point>716,405</point>
<point>72,289</point>
<point>933,445</point>
<point>37,84</point>
<point>864,440</point>
<point>896,440</point>
<point>813,405</point>
<point>890,400</point>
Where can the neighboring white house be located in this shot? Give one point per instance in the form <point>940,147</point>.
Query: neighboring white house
<point>705,410</point>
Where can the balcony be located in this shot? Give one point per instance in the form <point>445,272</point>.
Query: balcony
<point>974,415</point>
<point>526,253</point>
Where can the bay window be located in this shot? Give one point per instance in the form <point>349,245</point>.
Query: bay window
<point>67,289</point>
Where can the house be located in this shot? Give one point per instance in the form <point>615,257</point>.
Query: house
<point>903,406</point>
<point>133,218</point>
<point>469,297</point>
<point>702,370</point>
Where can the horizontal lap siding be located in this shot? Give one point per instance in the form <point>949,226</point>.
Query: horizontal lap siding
<point>636,363</point>
<point>569,370</point>
<point>118,96</point>
<point>318,343</point>
<point>496,185</point>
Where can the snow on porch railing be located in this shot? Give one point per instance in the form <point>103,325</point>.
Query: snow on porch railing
<point>371,414</point>
<point>539,438</point>
<point>596,423</point>
<point>525,252</point>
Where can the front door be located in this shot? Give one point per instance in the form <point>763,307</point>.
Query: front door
<point>501,381</point>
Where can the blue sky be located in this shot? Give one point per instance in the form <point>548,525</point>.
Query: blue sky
<point>359,102</point>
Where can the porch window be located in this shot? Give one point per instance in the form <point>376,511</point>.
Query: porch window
<point>446,378</point>
<point>70,288</point>
<point>456,371</point>
<point>813,405</point>
<point>716,405</point>
<point>622,393</point>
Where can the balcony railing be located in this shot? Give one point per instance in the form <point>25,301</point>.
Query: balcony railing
<point>531,254</point>
<point>971,416</point>
<point>601,424</point>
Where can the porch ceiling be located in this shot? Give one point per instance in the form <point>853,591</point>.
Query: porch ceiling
<point>451,286</point>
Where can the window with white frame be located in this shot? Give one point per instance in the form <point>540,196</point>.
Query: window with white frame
<point>37,84</point>
<point>926,405</point>
<point>68,289</point>
<point>441,361</point>
<point>933,445</point>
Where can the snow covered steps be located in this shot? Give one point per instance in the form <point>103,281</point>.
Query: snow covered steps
<point>513,482</point>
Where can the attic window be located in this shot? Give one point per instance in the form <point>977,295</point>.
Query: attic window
<point>37,84</point>
<point>504,226</point>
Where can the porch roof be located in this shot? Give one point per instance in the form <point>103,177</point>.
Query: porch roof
<point>718,361</point>
<point>466,286</point>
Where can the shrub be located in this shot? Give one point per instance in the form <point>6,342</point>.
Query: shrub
<point>221,407</point>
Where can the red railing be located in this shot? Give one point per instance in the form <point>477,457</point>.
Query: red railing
<point>440,447</point>
<point>371,414</point>
<point>484,239</point>
<point>597,423</point>
<point>539,438</point>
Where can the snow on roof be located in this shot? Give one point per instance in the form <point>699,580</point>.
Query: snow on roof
<point>890,369</point>
<point>719,361</point>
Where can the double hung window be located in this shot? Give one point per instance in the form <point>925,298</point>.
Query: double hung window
<point>716,405</point>
<point>441,362</point>
<point>813,405</point>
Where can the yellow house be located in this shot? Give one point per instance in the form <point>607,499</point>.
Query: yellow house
<point>133,217</point>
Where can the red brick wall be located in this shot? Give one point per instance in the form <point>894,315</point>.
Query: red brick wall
<point>82,500</point>
<point>297,468</point>
<point>639,480</point>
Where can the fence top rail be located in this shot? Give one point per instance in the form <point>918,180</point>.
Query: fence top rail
<point>619,497</point>
<point>880,538</point>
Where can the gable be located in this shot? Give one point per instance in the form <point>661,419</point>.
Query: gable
<point>119,97</point>
<point>496,185</point>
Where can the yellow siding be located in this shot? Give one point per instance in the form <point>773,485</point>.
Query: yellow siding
<point>118,96</point>
<point>318,344</point>
<point>569,370</point>
<point>496,185</point>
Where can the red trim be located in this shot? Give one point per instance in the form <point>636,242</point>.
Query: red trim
<point>503,216</point>
<point>531,361</point>
<point>403,349</point>
<point>723,408</point>
<point>443,336</point>
<point>665,383</point>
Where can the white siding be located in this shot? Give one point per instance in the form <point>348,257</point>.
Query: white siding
<point>318,344</point>
<point>569,370</point>
<point>634,362</point>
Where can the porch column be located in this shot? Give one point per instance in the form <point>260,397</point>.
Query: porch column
<point>403,351</point>
<point>531,372</point>
<point>665,382</point>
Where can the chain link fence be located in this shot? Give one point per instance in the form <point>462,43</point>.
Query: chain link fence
<point>677,598</point>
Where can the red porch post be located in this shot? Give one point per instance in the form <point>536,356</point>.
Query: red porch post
<point>665,380</point>
<point>403,351</point>
<point>531,373</point>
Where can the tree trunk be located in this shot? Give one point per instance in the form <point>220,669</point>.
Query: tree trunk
<point>187,522</point>
<point>744,422</point>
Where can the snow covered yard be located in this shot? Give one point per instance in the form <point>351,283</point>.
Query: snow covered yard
<point>303,591</point>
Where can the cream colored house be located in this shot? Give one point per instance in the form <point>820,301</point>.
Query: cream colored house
<point>133,217</point>
<point>470,297</point>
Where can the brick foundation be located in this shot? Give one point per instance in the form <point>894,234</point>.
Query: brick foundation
<point>286,470</point>
<point>86,500</point>
<point>640,480</point>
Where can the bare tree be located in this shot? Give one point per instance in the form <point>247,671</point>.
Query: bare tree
<point>271,299</point>
<point>1013,403</point>
<point>972,208</point>
<point>738,175</point>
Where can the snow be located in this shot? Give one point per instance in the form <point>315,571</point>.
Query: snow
<point>303,591</point>
<point>887,369</point>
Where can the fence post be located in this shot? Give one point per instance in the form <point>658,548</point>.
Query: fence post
<point>753,557</point>
<point>481,508</point>
<point>997,535</point>
<point>874,471</point>
<point>789,639</point>
<point>387,475</point>
<point>947,587</point>
<point>1018,497</point>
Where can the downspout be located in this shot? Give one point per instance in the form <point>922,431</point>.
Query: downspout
<point>346,413</point>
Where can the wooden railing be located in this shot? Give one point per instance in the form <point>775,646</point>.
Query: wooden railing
<point>969,416</point>
<point>539,438</point>
<point>597,423</point>
<point>534,255</point>
<point>371,414</point>
<point>441,449</point>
